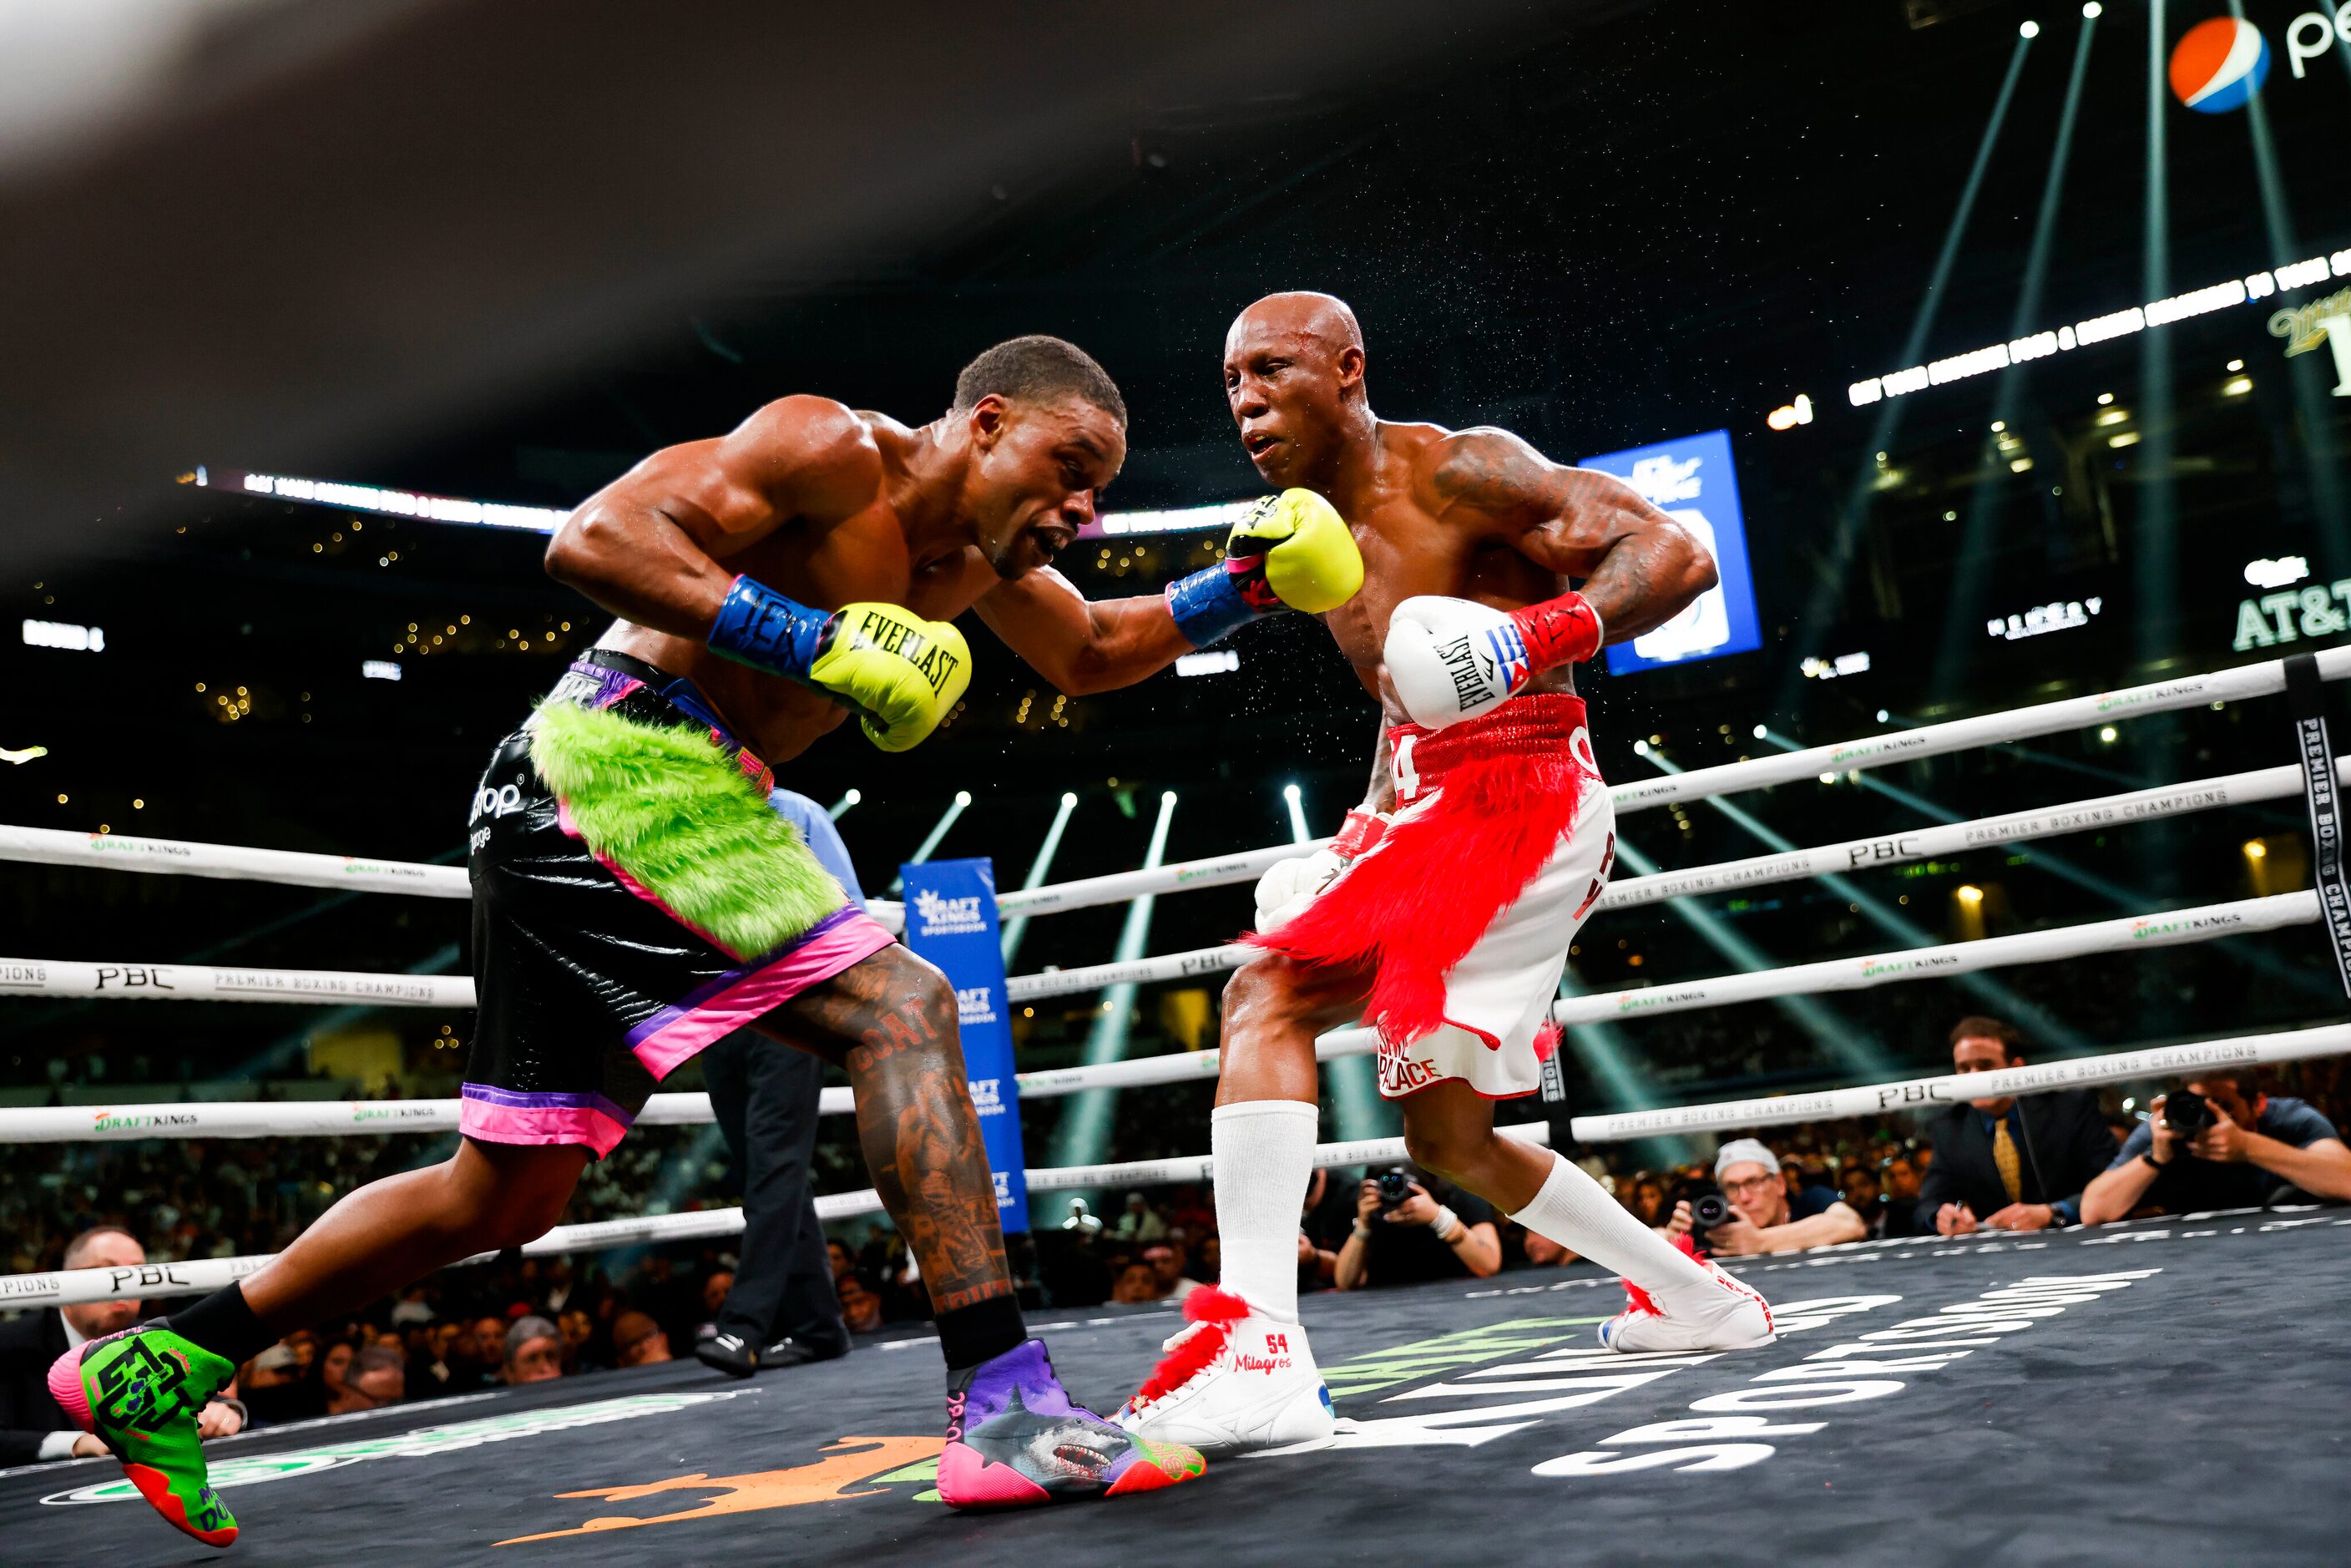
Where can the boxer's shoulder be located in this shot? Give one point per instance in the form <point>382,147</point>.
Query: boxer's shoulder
<point>1484,468</point>
<point>833,457</point>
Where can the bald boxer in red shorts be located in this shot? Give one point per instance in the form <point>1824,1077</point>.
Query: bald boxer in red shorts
<point>1444,909</point>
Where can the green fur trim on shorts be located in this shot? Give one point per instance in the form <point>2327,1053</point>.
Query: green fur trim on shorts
<point>675,813</point>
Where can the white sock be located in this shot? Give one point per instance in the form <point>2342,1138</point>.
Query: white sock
<point>1265,1153</point>
<point>1577,1212</point>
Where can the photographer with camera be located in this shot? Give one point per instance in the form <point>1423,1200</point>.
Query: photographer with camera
<point>1410,1227</point>
<point>2009,1164</point>
<point>1754,1212</point>
<point>2220,1143</point>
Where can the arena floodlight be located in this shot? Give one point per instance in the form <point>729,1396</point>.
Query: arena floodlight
<point>1971,580</point>
<point>1841,1040</point>
<point>2308,378</point>
<point>1821,608</point>
<point>931,840</point>
<point>1295,799</point>
<point>2092,11</point>
<point>1082,1137</point>
<point>2031,29</point>
<point>1018,927</point>
<point>1996,995</point>
<point>849,797</point>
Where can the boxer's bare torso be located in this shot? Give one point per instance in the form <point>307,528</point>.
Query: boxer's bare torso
<point>833,506</point>
<point>1474,514</point>
<point>1441,512</point>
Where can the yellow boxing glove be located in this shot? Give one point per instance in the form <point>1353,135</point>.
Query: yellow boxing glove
<point>899,670</point>
<point>1291,551</point>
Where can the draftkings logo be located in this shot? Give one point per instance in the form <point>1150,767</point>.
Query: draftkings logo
<point>975,1004</point>
<point>948,916</point>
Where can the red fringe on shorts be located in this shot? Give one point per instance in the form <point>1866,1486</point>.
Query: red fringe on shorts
<point>1412,909</point>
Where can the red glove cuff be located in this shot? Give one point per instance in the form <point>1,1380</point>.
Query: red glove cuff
<point>1357,835</point>
<point>1562,630</point>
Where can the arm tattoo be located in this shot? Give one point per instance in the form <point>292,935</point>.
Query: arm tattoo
<point>1640,567</point>
<point>892,1024</point>
<point>1622,588</point>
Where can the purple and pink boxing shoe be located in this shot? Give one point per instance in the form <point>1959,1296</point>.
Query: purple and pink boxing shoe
<point>1016,1438</point>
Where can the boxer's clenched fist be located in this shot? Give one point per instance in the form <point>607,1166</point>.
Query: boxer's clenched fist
<point>1287,887</point>
<point>1291,551</point>
<point>1453,659</point>
<point>900,672</point>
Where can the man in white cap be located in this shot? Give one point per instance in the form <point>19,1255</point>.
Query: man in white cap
<point>1762,1218</point>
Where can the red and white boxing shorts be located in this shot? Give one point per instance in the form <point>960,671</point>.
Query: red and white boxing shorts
<point>1501,841</point>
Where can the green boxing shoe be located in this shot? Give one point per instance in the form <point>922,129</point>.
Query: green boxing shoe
<point>137,1392</point>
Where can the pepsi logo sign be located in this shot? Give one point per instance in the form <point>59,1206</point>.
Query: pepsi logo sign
<point>2218,64</point>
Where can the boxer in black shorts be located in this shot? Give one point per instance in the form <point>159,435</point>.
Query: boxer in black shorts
<point>568,948</point>
<point>636,898</point>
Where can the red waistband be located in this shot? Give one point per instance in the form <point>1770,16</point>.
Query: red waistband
<point>1537,724</point>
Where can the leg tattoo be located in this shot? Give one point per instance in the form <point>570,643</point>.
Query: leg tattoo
<point>890,1022</point>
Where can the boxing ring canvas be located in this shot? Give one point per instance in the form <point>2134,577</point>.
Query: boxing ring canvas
<point>1962,1400</point>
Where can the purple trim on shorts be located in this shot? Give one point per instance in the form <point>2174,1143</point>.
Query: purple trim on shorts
<point>496,1116</point>
<point>847,936</point>
<point>611,684</point>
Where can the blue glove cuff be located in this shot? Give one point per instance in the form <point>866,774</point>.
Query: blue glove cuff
<point>1208,605</point>
<point>770,631</point>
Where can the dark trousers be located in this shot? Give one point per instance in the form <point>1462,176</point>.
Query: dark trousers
<point>765,1094</point>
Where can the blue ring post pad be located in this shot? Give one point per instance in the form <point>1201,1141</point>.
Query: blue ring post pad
<point>770,631</point>
<point>1209,604</point>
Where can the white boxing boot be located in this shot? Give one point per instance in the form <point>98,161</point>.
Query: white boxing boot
<point>1232,1383</point>
<point>1734,1317</point>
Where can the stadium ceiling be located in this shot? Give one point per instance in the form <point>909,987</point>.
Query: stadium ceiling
<point>296,229</point>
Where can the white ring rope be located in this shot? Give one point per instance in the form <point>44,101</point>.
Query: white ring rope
<point>53,978</point>
<point>199,982</point>
<point>1935,1093</point>
<point>230,1119</point>
<point>198,1276</point>
<point>55,847</point>
<point>120,852</point>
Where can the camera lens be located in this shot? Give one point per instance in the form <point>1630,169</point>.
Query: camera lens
<point>2187,1113</point>
<point>1710,1210</point>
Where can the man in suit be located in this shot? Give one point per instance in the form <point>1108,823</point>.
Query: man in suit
<point>33,1426</point>
<point>2009,1164</point>
<point>782,1308</point>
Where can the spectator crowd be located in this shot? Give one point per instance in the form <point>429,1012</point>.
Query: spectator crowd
<point>2225,1139</point>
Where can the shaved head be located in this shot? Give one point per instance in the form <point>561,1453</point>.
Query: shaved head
<point>1294,381</point>
<point>1302,313</point>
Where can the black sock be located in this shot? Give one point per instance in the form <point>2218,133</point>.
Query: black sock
<point>224,1323</point>
<point>982,1331</point>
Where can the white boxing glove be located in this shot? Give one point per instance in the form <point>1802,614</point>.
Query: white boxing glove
<point>1287,887</point>
<point>1453,659</point>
